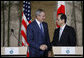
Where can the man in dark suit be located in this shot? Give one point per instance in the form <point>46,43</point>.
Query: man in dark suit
<point>65,35</point>
<point>37,36</point>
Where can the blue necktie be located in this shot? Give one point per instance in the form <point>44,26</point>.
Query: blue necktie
<point>41,27</point>
<point>42,30</point>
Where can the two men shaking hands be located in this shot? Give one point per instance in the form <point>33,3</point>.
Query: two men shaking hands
<point>38,35</point>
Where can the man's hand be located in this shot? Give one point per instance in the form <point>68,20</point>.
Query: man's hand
<point>49,54</point>
<point>43,47</point>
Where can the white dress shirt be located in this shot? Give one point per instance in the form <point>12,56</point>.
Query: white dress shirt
<point>61,31</point>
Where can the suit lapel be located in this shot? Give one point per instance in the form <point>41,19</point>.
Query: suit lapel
<point>63,33</point>
<point>58,34</point>
<point>36,25</point>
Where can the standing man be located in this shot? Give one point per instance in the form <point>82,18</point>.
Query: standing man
<point>38,36</point>
<point>65,35</point>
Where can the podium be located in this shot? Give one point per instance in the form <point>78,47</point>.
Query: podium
<point>58,51</point>
<point>13,51</point>
<point>67,51</point>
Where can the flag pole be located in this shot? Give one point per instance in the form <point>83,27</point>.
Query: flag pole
<point>20,17</point>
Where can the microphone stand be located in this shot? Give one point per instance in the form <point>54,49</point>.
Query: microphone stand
<point>19,42</point>
<point>12,30</point>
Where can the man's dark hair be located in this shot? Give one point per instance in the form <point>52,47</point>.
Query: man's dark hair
<point>63,16</point>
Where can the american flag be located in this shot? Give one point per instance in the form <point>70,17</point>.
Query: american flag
<point>26,19</point>
<point>60,9</point>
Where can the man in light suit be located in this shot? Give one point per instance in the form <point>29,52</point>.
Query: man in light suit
<point>65,35</point>
<point>38,36</point>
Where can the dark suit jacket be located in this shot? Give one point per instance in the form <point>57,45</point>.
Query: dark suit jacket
<point>68,37</point>
<point>35,39</point>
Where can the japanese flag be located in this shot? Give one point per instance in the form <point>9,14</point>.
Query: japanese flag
<point>60,9</point>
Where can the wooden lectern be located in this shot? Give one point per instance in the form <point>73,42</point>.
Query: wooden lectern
<point>67,51</point>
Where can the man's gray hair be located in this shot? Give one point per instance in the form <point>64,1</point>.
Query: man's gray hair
<point>38,12</point>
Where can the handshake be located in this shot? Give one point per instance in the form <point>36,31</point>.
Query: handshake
<point>43,47</point>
